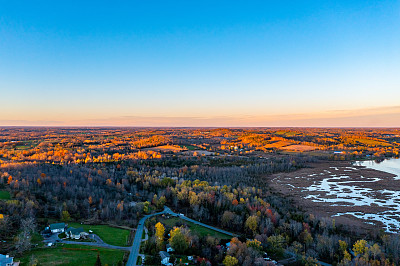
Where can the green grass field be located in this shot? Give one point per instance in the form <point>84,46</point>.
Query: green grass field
<point>37,239</point>
<point>190,147</point>
<point>22,147</point>
<point>4,195</point>
<point>196,229</point>
<point>73,255</point>
<point>110,235</point>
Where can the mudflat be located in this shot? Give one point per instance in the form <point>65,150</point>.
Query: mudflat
<point>356,196</point>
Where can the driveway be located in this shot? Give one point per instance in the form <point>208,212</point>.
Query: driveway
<point>96,244</point>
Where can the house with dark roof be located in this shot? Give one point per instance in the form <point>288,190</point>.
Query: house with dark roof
<point>57,228</point>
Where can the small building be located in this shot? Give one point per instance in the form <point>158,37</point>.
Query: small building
<point>6,260</point>
<point>57,228</point>
<point>169,248</point>
<point>76,233</point>
<point>164,257</point>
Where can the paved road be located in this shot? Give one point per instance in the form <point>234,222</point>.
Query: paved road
<point>169,211</point>
<point>138,235</point>
<point>138,238</point>
<point>134,249</point>
<point>99,242</point>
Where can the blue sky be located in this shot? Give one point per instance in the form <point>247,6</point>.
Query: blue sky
<point>188,63</point>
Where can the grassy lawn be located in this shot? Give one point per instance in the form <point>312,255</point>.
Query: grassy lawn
<point>37,239</point>
<point>4,195</point>
<point>110,235</point>
<point>197,229</point>
<point>73,255</point>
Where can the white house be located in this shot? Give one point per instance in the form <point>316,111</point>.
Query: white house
<point>76,233</point>
<point>164,257</point>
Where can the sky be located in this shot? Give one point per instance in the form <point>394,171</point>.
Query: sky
<point>200,63</point>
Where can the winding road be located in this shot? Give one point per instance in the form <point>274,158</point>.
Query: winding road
<point>204,225</point>
<point>134,250</point>
<point>138,236</point>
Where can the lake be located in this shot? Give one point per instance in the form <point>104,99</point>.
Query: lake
<point>391,166</point>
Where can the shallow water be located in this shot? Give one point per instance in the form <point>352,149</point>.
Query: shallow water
<point>342,190</point>
<point>389,166</point>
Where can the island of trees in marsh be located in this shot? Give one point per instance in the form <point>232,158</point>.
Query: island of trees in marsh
<point>110,178</point>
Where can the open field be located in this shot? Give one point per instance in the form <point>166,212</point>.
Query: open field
<point>110,235</point>
<point>166,148</point>
<point>196,229</point>
<point>190,147</point>
<point>4,195</point>
<point>72,255</point>
<point>300,148</point>
<point>277,144</point>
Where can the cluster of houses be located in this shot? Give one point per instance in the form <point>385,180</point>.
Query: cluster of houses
<point>165,257</point>
<point>71,232</point>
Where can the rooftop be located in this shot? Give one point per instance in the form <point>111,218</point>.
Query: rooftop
<point>5,259</point>
<point>164,254</point>
<point>57,226</point>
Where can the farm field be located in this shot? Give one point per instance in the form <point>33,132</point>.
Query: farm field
<point>300,148</point>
